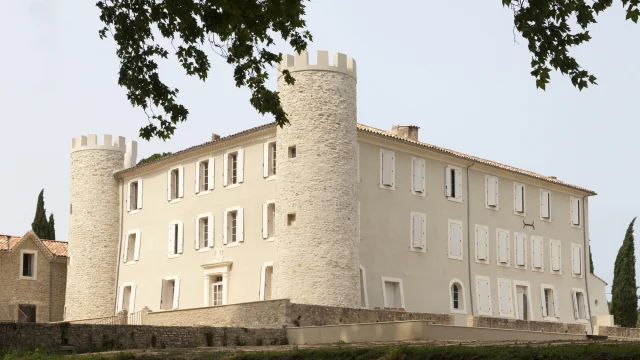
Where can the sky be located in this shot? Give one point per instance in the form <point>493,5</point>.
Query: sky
<point>451,68</point>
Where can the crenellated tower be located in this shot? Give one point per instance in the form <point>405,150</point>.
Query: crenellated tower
<point>317,259</point>
<point>94,224</point>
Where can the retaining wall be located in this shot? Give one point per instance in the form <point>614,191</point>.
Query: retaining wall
<point>513,324</point>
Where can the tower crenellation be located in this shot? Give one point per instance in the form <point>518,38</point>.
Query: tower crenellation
<point>300,62</point>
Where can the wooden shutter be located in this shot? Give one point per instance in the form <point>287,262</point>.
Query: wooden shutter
<point>387,167</point>
<point>545,210</point>
<point>212,172</point>
<point>484,296</point>
<point>211,230</point>
<point>555,255</point>
<point>181,181</point>
<point>136,254</point>
<point>576,311</point>
<point>521,249</point>
<point>172,238</point>
<point>418,175</point>
<point>492,191</point>
<point>225,227</point>
<point>197,233</point>
<point>481,243</point>
<point>169,185</point>
<point>132,299</point>
<point>180,237</point>
<point>575,211</point>
<point>139,194</point>
<point>447,182</point>
<point>543,302</point>
<point>265,221</point>
<point>240,165</point>
<point>129,196</point>
<point>240,225</point>
<point>537,251</point>
<point>556,306</point>
<point>225,170</point>
<point>125,253</point>
<point>576,260</point>
<point>458,184</point>
<point>504,290</point>
<point>455,239</point>
<point>265,160</point>
<point>518,198</point>
<point>176,293</point>
<point>417,231</point>
<point>120,299</point>
<point>503,246</point>
<point>197,181</point>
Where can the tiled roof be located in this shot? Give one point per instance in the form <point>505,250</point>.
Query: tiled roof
<point>58,248</point>
<point>3,241</point>
<point>376,131</point>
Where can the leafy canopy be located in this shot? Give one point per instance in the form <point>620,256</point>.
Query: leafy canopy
<point>546,25</point>
<point>240,31</point>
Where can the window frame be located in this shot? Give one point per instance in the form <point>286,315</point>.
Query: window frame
<point>484,228</point>
<point>263,280</point>
<point>217,269</point>
<point>175,194</point>
<point>585,305</point>
<point>204,177</point>
<point>455,257</point>
<point>580,258</point>
<point>130,209</point>
<point>487,178</point>
<point>580,210</point>
<point>508,251</point>
<point>516,312</point>
<point>136,248</point>
<point>391,153</point>
<point>515,250</point>
<point>543,299</point>
<point>269,160</point>
<point>509,283</point>
<point>27,316</point>
<point>269,220</point>
<point>549,205</point>
<point>418,160</point>
<point>541,239</point>
<point>132,297</point>
<point>515,199</point>
<point>175,298</point>
<point>209,242</point>
<point>228,168</point>
<point>34,267</point>
<point>398,281</point>
<point>551,270</point>
<point>457,187</point>
<point>239,227</point>
<point>462,297</point>
<point>178,241</point>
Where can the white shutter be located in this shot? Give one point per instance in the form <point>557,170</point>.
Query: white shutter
<point>212,172</point>
<point>576,260</point>
<point>265,160</point>
<point>544,204</point>
<point>120,299</point>
<point>197,233</point>
<point>180,237</point>
<point>576,312</point>
<point>172,238</point>
<point>504,289</point>
<point>484,297</point>
<point>537,251</point>
<point>458,184</point>
<point>503,246</point>
<point>417,231</point>
<point>575,211</point>
<point>555,255</point>
<point>197,182</point>
<point>225,227</point>
<point>521,249</point>
<point>423,236</point>
<point>225,169</point>
<point>139,193</point>
<point>211,229</point>
<point>240,165</point>
<point>455,239</point>
<point>418,174</point>
<point>556,306</point>
<point>265,221</point>
<point>240,225</point>
<point>132,299</point>
<point>169,185</point>
<point>492,191</point>
<point>387,167</point>
<point>176,293</point>
<point>518,200</point>
<point>447,181</point>
<point>481,242</point>
<point>181,181</point>
<point>136,254</point>
<point>129,197</point>
<point>543,302</point>
<point>126,248</point>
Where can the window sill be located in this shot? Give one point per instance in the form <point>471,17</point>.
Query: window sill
<point>458,200</point>
<point>484,262</point>
<point>175,200</point>
<point>233,244</point>
<point>173,256</point>
<point>387,187</point>
<point>492,208</point>
<point>205,249</point>
<point>418,250</point>
<point>521,267</point>
<point>576,226</point>
<point>522,214</point>
<point>232,186</point>
<point>271,178</point>
<point>577,276</point>
<point>458,311</point>
<point>132,212</point>
<point>582,321</point>
<point>460,258</point>
<point>270,239</point>
<point>131,262</point>
<point>554,272</point>
<point>545,219</point>
<point>507,264</point>
<point>419,193</point>
<point>28,277</point>
<point>202,193</point>
<point>549,318</point>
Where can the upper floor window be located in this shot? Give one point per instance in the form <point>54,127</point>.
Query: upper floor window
<point>453,183</point>
<point>482,244</point>
<point>175,238</point>
<point>134,197</point>
<point>491,192</point>
<point>545,204</point>
<point>234,167</point>
<point>233,228</point>
<point>455,239</point>
<point>131,247</point>
<point>269,161</point>
<point>175,183</point>
<point>418,231</point>
<point>537,253</point>
<point>556,255</point>
<point>204,231</point>
<point>521,249</point>
<point>268,220</point>
<point>170,293</point>
<point>387,169</point>
<point>519,202</point>
<point>502,246</point>
<point>205,175</point>
<point>576,215</point>
<point>417,176</point>
<point>576,259</point>
<point>28,264</point>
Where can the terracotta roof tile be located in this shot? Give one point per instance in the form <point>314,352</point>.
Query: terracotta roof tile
<point>58,248</point>
<point>3,241</point>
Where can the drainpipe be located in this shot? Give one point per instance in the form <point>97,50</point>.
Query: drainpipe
<point>469,239</point>
<point>115,300</point>
<point>585,246</point>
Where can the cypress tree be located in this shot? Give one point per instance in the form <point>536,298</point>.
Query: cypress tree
<point>590,258</point>
<point>52,228</point>
<point>624,301</point>
<point>40,225</point>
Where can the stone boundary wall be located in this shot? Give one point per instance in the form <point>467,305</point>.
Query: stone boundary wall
<point>513,324</point>
<point>85,337</point>
<point>617,331</point>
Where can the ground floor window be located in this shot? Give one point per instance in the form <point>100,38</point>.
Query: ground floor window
<point>392,293</point>
<point>457,297</point>
<point>26,313</point>
<point>522,302</point>
<point>579,304</point>
<point>549,301</point>
<point>217,288</point>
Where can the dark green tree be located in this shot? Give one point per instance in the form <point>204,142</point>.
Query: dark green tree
<point>590,258</point>
<point>153,157</point>
<point>52,228</point>
<point>40,225</point>
<point>624,299</point>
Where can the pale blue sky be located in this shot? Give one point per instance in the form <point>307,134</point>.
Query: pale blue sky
<point>450,67</point>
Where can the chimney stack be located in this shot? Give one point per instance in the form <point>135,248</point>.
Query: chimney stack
<point>407,132</point>
<point>215,137</point>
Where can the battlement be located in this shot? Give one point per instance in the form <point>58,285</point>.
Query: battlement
<point>341,63</point>
<point>109,142</point>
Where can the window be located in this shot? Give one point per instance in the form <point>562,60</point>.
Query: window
<point>491,192</point>
<point>392,293</point>
<point>26,313</point>
<point>519,204</point>
<point>484,295</point>
<point>453,183</point>
<point>127,298</point>
<point>269,161</point>
<point>205,176</point>
<point>417,176</point>
<point>131,247</point>
<point>233,230</point>
<point>291,219</point>
<point>537,253</point>
<point>216,284</point>
<point>175,238</point>
<point>482,244</point>
<point>175,181</point>
<point>234,167</point>
<point>505,297</point>
<point>549,302</point>
<point>521,249</point>
<point>580,311</point>
<point>455,239</point>
<point>269,220</point>
<point>134,196</point>
<point>457,297</point>
<point>502,246</point>
<point>266,281</point>
<point>364,299</point>
<point>556,256</point>
<point>292,152</point>
<point>545,204</point>
<point>523,305</point>
<point>387,169</point>
<point>575,211</point>
<point>576,259</point>
<point>204,232</point>
<point>170,293</point>
<point>217,289</point>
<point>28,264</point>
<point>418,232</point>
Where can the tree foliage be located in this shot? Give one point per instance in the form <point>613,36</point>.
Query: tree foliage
<point>624,301</point>
<point>590,259</point>
<point>153,157</point>
<point>552,27</point>
<point>241,31</point>
<point>40,225</point>
<point>52,228</point>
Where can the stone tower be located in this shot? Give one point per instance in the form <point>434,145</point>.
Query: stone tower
<point>94,224</point>
<point>317,259</point>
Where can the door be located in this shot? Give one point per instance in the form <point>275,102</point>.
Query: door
<point>216,291</point>
<point>390,290</point>
<point>523,303</point>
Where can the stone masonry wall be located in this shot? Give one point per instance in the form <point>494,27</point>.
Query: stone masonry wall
<point>616,331</point>
<point>513,324</point>
<point>105,337</point>
<point>317,259</point>
<point>93,233</point>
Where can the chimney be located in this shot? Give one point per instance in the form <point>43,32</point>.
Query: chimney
<point>8,243</point>
<point>407,132</point>
<point>215,137</point>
